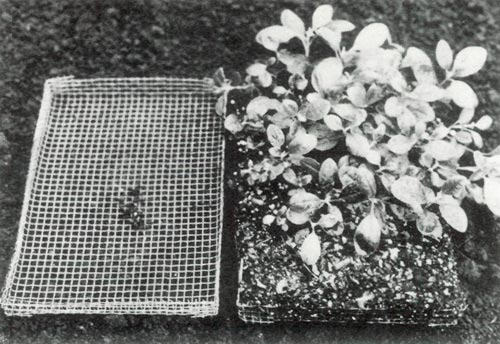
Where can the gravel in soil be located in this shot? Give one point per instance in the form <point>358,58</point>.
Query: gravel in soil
<point>409,275</point>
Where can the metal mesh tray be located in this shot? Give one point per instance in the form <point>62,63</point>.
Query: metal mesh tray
<point>123,205</point>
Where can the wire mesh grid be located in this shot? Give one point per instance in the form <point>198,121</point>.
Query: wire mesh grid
<point>123,205</point>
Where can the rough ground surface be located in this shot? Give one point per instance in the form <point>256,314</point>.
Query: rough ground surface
<point>92,38</point>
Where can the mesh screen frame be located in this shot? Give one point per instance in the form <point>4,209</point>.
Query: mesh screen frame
<point>95,139</point>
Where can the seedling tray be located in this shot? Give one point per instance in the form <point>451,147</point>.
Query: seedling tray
<point>405,282</point>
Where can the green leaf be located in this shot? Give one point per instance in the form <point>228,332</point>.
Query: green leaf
<point>233,124</point>
<point>357,95</point>
<point>282,119</point>
<point>403,213</point>
<point>421,66</point>
<point>484,123</point>
<point>492,194</point>
<point>326,75</point>
<point>302,144</point>
<point>290,107</point>
<point>260,105</point>
<point>315,108</point>
<point>423,111</point>
<point>428,224</point>
<point>296,64</point>
<point>265,79</point>
<point>310,250</point>
<point>442,150</point>
<point>219,77</point>
<point>304,202</point>
<point>333,122</point>
<point>298,82</point>
<point>454,186</point>
<point>350,113</point>
<point>409,190</point>
<point>276,152</point>
<point>406,122</point>
<point>426,160</point>
<point>436,179</point>
<point>340,25</point>
<point>462,94</point>
<point>272,36</point>
<point>280,91</point>
<point>296,129</point>
<point>276,170</point>
<point>466,115</point>
<point>427,93</point>
<point>327,171</point>
<point>301,235</point>
<point>479,159</point>
<point>374,157</point>
<point>400,144</point>
<point>275,136</point>
<point>290,176</point>
<point>332,218</point>
<point>477,139</point>
<point>440,132</point>
<point>357,144</point>
<point>367,234</point>
<point>305,179</point>
<point>361,176</point>
<point>311,165</point>
<point>220,106</point>
<point>322,16</point>
<point>286,114</point>
<point>326,138</point>
<point>479,174</point>
<point>256,69</point>
<point>302,206</point>
<point>394,107</point>
<point>455,216</point>
<point>464,137</point>
<point>298,218</point>
<point>374,94</point>
<point>332,38</point>
<point>292,21</point>
<point>476,193</point>
<point>469,61</point>
<point>420,128</point>
<point>372,36</point>
<point>444,55</point>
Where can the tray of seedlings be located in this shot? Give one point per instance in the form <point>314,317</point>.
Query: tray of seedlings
<point>351,162</point>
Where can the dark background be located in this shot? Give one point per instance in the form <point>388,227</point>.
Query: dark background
<point>40,39</point>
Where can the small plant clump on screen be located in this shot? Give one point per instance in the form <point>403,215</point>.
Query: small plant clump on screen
<point>374,126</point>
<point>130,205</point>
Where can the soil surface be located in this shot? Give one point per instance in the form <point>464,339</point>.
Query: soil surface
<point>40,39</point>
<point>408,279</point>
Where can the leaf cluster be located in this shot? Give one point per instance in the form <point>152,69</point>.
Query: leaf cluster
<point>374,117</point>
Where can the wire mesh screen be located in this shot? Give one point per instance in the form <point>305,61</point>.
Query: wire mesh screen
<point>123,205</point>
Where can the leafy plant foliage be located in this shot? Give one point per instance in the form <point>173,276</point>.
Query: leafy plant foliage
<point>374,118</point>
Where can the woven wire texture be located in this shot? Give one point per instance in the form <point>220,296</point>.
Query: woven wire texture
<point>123,206</point>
